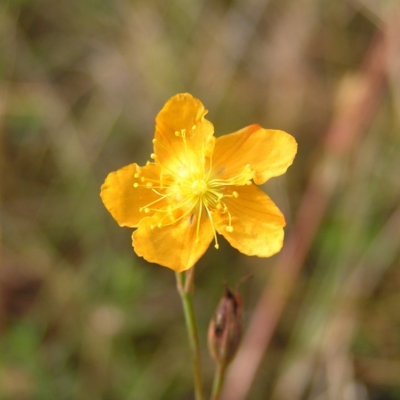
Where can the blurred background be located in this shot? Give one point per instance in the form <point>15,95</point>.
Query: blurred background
<point>81,81</point>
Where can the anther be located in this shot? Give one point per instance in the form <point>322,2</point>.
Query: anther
<point>216,246</point>
<point>154,140</point>
<point>153,156</point>
<point>177,133</point>
<point>149,185</point>
<point>142,179</point>
<point>135,185</point>
<point>146,210</point>
<point>136,175</point>
<point>229,228</point>
<point>235,194</point>
<point>193,127</point>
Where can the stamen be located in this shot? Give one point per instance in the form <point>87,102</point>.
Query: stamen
<point>153,156</point>
<point>199,219</point>
<point>193,127</point>
<point>229,228</point>
<point>216,245</point>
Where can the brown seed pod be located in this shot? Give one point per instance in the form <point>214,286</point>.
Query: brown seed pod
<point>225,329</point>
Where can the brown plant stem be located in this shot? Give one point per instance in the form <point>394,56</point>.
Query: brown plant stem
<point>351,120</point>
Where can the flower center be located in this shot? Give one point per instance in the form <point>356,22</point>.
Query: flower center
<point>199,187</point>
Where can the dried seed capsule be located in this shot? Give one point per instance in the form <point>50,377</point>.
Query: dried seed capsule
<point>225,329</point>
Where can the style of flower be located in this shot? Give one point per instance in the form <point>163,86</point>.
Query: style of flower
<point>198,186</point>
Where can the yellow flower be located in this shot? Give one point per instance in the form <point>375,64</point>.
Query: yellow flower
<point>198,185</point>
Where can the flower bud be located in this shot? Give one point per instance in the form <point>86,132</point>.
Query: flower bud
<point>225,329</point>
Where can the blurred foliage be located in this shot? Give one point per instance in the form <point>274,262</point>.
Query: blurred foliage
<point>81,316</point>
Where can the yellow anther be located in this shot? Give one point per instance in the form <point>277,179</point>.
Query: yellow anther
<point>177,133</point>
<point>142,179</point>
<point>193,127</point>
<point>235,194</point>
<point>216,246</point>
<point>146,210</point>
<point>152,226</point>
<point>154,140</point>
<point>229,228</point>
<point>136,175</point>
<point>135,185</point>
<point>149,185</point>
<point>153,156</point>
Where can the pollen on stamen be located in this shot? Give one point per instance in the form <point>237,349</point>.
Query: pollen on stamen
<point>135,185</point>
<point>177,133</point>
<point>235,194</point>
<point>193,127</point>
<point>154,140</point>
<point>216,246</point>
<point>136,175</point>
<point>146,210</point>
<point>153,156</point>
<point>229,228</point>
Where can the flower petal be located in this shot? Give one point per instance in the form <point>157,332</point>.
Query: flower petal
<point>183,136</point>
<point>256,221</point>
<point>175,246</point>
<point>268,152</point>
<point>123,200</point>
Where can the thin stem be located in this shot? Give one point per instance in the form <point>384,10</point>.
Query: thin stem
<point>218,381</point>
<point>184,287</point>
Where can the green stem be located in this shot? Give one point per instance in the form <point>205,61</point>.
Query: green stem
<point>218,381</point>
<point>184,289</point>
